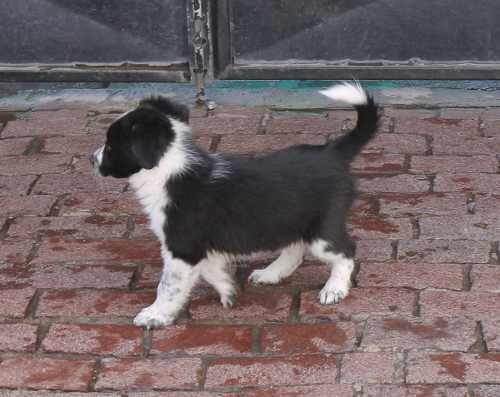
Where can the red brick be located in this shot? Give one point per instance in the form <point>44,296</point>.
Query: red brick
<point>461,113</point>
<point>414,391</point>
<point>250,305</point>
<point>26,206</point>
<point>304,369</point>
<point>401,204</point>
<point>14,302</point>
<point>472,305</point>
<point>367,368</point>
<point>45,373</point>
<point>492,113</point>
<point>490,128</point>
<point>473,227</point>
<point>359,304</point>
<point>178,393</point>
<point>77,183</point>
<point>395,184</point>
<point>459,164</point>
<point>93,339</point>
<point>130,374</point>
<point>94,226</point>
<point>297,391</point>
<point>36,164</point>
<point>486,391</point>
<point>202,339</point>
<point>364,206</point>
<point>73,144</point>
<point>142,230</point>
<point>444,251</point>
<point>43,393</point>
<point>412,275</point>
<point>401,334</point>
<point>228,120</point>
<point>17,337</point>
<point>55,249</point>
<point>319,123</point>
<point>397,143</point>
<point>205,142</point>
<point>364,227</point>
<point>410,114</point>
<point>485,278</point>
<point>60,276</point>
<point>92,303</point>
<point>482,183</point>
<point>308,275</point>
<point>309,338</point>
<point>466,145</point>
<point>106,204</point>
<point>263,143</point>
<point>437,126</point>
<point>13,147</point>
<point>15,185</point>
<point>379,163</point>
<point>150,275</point>
<point>61,122</point>
<point>434,367</point>
<point>491,331</point>
<point>374,250</point>
<point>15,251</point>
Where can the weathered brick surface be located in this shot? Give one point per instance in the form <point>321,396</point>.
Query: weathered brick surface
<point>306,369</point>
<point>50,275</point>
<point>400,334</point>
<point>203,339</point>
<point>412,275</point>
<point>427,289</point>
<point>437,367</point>
<point>13,147</point>
<point>359,304</point>
<point>309,338</point>
<point>471,305</point>
<point>368,368</point>
<point>91,303</point>
<point>47,123</point>
<point>456,164</point>
<point>129,374</point>
<point>444,251</point>
<point>34,165</point>
<point>17,337</point>
<point>26,206</point>
<point>45,373</point>
<point>14,302</point>
<point>250,305</point>
<point>94,339</point>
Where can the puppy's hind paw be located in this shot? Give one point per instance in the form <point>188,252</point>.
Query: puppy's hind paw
<point>227,301</point>
<point>151,317</point>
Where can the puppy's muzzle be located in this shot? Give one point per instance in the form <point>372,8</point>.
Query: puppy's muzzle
<point>96,158</point>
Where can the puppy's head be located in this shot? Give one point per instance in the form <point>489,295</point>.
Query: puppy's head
<point>139,138</point>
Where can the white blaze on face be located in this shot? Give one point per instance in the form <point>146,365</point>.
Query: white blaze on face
<point>98,155</point>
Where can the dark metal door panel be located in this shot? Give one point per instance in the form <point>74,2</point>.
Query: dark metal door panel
<point>374,38</point>
<point>93,31</point>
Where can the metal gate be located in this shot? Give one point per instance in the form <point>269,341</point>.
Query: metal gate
<point>199,40</point>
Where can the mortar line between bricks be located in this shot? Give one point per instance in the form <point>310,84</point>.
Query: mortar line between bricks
<point>147,342</point>
<point>256,339</point>
<point>293,316</point>
<point>415,225</point>
<point>136,276</point>
<point>338,362</point>
<point>417,309</point>
<point>432,180</point>
<point>55,209</point>
<point>32,305</point>
<point>42,331</point>
<point>429,142</point>
<point>262,128</point>
<point>32,185</point>
<point>5,227</point>
<point>35,146</point>
<point>131,219</point>
<point>394,249</point>
<point>495,251</point>
<point>467,281</point>
<point>214,143</point>
<point>479,346</point>
<point>95,374</point>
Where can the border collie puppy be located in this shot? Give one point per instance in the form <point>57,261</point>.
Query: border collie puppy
<point>209,210</point>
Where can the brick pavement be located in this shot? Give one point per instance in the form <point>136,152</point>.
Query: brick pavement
<point>77,262</point>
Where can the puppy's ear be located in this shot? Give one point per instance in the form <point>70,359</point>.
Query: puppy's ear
<point>147,147</point>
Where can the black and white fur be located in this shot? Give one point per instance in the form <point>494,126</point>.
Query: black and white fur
<point>209,210</point>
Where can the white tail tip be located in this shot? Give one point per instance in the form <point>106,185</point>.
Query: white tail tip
<point>351,93</point>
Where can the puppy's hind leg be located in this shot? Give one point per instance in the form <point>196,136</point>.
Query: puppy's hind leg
<point>289,260</point>
<point>340,258</point>
<point>215,271</point>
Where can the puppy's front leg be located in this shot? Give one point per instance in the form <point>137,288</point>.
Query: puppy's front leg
<point>177,280</point>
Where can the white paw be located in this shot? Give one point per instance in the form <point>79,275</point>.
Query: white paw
<point>227,301</point>
<point>333,292</point>
<point>264,276</point>
<point>152,317</point>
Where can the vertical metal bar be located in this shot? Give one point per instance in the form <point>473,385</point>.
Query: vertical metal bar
<point>200,43</point>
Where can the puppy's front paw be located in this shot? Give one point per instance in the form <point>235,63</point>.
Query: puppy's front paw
<point>152,317</point>
<point>333,292</point>
<point>264,276</point>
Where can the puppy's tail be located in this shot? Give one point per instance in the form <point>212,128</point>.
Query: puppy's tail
<point>348,146</point>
